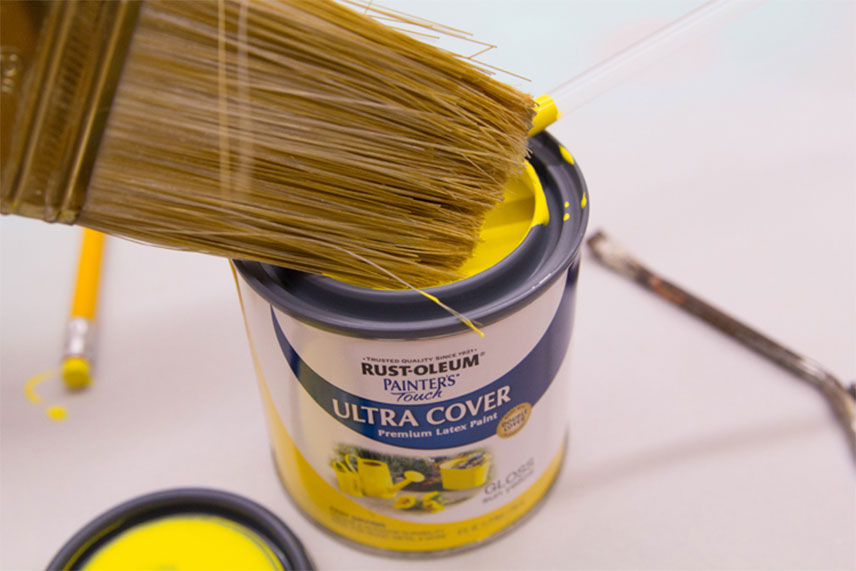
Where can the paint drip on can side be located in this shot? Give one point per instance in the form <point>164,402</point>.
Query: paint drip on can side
<point>395,426</point>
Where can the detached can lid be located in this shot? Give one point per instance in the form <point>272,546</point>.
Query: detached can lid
<point>186,528</point>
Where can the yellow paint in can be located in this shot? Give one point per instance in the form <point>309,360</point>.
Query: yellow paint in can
<point>506,226</point>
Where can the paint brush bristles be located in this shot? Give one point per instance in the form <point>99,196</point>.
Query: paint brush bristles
<point>303,134</point>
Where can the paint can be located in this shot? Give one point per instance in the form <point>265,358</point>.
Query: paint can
<point>397,427</point>
<point>185,528</point>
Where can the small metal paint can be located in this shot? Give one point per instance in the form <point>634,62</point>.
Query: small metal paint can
<point>397,427</point>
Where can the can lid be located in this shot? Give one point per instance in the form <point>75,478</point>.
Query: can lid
<point>184,528</point>
<point>547,252</point>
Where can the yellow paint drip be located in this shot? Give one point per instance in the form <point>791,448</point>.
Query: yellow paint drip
<point>33,382</point>
<point>583,201</point>
<point>460,316</point>
<point>54,412</point>
<point>566,154</point>
<point>183,542</point>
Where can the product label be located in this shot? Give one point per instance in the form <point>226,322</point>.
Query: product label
<point>400,418</point>
<point>417,444</point>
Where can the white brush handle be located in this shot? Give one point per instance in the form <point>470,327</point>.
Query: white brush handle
<point>605,75</point>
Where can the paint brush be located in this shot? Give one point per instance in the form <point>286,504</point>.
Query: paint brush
<point>841,397</point>
<point>80,332</point>
<point>295,132</point>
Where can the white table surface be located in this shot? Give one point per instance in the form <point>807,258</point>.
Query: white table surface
<point>729,167</point>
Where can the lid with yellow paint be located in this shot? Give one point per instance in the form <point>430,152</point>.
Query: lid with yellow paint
<point>184,529</point>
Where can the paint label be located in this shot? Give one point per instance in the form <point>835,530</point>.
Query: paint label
<point>418,444</point>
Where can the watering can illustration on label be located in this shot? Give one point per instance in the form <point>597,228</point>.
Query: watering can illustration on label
<point>347,478</point>
<point>370,477</point>
<point>464,473</point>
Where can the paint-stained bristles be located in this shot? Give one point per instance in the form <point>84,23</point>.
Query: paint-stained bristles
<point>341,136</point>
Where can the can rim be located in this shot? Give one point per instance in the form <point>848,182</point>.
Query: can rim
<point>545,254</point>
<point>94,535</point>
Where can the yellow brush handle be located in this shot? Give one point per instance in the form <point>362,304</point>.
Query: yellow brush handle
<point>88,273</point>
<point>546,113</point>
<point>76,365</point>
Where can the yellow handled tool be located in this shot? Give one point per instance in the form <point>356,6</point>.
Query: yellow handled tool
<point>79,341</point>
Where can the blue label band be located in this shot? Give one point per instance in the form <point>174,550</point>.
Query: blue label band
<point>442,424</point>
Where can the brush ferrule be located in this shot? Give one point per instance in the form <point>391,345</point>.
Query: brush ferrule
<point>79,339</point>
<point>68,58</point>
